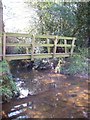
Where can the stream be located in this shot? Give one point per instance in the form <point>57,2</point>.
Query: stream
<point>45,94</point>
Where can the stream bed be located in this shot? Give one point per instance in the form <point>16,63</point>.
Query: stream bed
<point>45,94</point>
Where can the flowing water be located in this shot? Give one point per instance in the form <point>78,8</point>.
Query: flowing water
<point>44,94</point>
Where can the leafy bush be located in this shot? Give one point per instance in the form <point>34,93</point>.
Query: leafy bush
<point>77,64</point>
<point>4,67</point>
<point>8,88</point>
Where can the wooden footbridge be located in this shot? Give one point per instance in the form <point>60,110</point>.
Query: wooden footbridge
<point>32,43</point>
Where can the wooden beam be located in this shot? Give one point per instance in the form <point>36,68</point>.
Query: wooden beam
<point>37,45</point>
<point>18,35</point>
<point>55,47</point>
<point>72,48</point>
<point>53,37</point>
<point>27,51</point>
<point>18,44</point>
<point>38,36</point>
<point>48,48</point>
<point>4,45</point>
<point>65,43</point>
<point>43,45</point>
<point>10,57</point>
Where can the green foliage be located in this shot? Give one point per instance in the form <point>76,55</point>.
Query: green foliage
<point>83,52</point>
<point>4,67</point>
<point>82,26</point>
<point>77,64</point>
<point>8,88</point>
<point>56,19</point>
<point>6,92</point>
<point>64,18</point>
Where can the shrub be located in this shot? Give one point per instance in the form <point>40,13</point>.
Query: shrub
<point>8,88</point>
<point>77,64</point>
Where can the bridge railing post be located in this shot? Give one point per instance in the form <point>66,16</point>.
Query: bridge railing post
<point>27,51</point>
<point>4,45</point>
<point>65,42</point>
<point>72,47</point>
<point>48,48</point>
<point>32,47</point>
<point>55,46</point>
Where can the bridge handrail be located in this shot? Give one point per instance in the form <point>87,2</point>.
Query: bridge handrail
<point>36,36</point>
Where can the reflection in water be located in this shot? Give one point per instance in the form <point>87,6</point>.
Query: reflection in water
<point>48,95</point>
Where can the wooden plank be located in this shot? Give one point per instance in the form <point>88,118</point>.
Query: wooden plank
<point>18,35</point>
<point>32,48</point>
<point>53,37</point>
<point>27,51</point>
<point>10,57</point>
<point>38,36</point>
<point>50,55</point>
<point>43,45</point>
<point>18,44</point>
<point>51,45</point>
<point>55,47</point>
<point>4,45</point>
<point>63,45</point>
<point>37,44</point>
<point>72,49</point>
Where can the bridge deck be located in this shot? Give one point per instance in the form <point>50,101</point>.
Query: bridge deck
<point>10,57</point>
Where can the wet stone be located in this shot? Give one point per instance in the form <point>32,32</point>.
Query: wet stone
<point>64,100</point>
<point>73,95</point>
<point>86,91</point>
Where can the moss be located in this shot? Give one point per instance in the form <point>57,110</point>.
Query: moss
<point>8,88</point>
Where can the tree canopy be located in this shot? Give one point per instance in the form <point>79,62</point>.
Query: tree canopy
<point>64,18</point>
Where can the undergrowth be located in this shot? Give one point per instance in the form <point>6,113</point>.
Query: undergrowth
<point>77,64</point>
<point>8,88</point>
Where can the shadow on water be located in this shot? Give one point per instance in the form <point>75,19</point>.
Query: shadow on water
<point>44,94</point>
